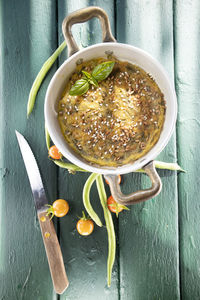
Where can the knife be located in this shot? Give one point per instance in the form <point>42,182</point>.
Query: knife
<point>52,247</point>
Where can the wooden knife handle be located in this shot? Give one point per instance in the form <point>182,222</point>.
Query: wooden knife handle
<point>54,254</point>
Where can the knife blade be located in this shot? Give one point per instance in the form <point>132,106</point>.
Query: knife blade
<point>33,172</point>
<point>52,247</point>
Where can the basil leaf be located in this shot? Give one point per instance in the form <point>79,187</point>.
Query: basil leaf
<point>99,73</point>
<point>87,75</point>
<point>90,78</point>
<point>80,87</point>
<point>102,71</point>
<point>93,81</point>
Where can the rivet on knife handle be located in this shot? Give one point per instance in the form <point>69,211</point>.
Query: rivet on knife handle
<point>54,255</point>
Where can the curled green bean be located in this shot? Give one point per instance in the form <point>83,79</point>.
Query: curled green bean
<point>109,226</point>
<point>86,199</point>
<point>42,73</point>
<point>47,138</point>
<point>69,166</point>
<point>158,165</point>
<point>164,165</point>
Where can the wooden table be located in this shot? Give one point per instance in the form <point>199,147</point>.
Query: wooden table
<point>157,241</point>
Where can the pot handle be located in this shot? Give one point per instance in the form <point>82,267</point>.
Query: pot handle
<point>138,196</point>
<point>81,16</point>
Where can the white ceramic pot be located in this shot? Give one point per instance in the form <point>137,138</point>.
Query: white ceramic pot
<point>123,52</point>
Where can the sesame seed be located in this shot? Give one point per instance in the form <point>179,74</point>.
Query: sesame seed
<point>122,114</point>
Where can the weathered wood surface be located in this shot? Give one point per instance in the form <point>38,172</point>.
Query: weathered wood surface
<point>28,37</point>
<point>148,236</point>
<point>85,258</point>
<point>152,237</point>
<point>187,74</point>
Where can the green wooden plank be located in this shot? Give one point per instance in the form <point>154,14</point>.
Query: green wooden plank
<point>85,257</point>
<point>148,234</point>
<point>187,66</point>
<point>28,37</point>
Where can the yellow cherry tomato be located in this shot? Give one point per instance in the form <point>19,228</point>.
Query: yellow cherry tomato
<point>54,152</point>
<point>85,226</point>
<point>115,207</point>
<point>59,208</point>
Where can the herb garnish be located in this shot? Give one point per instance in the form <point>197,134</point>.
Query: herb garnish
<point>100,72</point>
<point>80,87</point>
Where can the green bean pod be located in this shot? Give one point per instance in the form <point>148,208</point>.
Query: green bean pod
<point>47,138</point>
<point>109,226</point>
<point>164,165</point>
<point>69,166</point>
<point>168,166</point>
<point>39,78</point>
<point>86,199</point>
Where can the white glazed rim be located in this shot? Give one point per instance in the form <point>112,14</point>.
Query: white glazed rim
<point>103,169</point>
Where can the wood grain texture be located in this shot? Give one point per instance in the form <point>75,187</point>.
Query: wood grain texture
<point>148,234</point>
<point>147,264</point>
<point>85,257</point>
<point>28,37</point>
<point>187,67</point>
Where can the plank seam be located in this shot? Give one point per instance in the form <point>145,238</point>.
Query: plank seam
<point>177,152</point>
<point>117,221</point>
<point>57,171</point>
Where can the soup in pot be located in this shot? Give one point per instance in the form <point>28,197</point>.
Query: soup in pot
<point>116,122</point>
